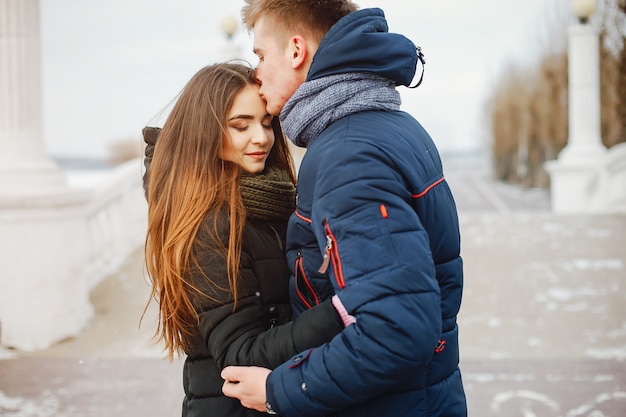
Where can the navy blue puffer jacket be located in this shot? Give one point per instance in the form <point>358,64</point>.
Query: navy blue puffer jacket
<point>372,196</point>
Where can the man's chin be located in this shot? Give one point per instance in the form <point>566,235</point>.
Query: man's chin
<point>274,109</point>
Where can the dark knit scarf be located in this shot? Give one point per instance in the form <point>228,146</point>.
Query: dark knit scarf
<point>318,103</point>
<point>268,196</point>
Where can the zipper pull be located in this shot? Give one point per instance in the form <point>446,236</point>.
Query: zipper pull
<point>326,261</point>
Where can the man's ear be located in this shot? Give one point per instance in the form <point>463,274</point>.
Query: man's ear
<point>299,52</point>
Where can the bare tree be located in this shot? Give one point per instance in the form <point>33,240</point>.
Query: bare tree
<point>529,108</point>
<point>622,74</point>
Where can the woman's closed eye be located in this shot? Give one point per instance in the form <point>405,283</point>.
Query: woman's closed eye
<point>266,126</point>
<point>267,122</point>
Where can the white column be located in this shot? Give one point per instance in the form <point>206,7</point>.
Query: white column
<point>42,251</point>
<point>572,174</point>
<point>585,137</point>
<point>24,165</point>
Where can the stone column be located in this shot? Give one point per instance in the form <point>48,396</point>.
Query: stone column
<point>585,137</point>
<point>573,172</point>
<point>41,299</point>
<point>24,165</point>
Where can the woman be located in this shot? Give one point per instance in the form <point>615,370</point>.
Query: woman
<point>220,191</point>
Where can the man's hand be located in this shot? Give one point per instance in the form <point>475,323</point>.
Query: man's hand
<point>247,384</point>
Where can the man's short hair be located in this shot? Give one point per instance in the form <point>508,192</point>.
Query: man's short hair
<point>312,17</point>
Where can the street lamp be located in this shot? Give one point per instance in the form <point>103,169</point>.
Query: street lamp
<point>230,49</point>
<point>583,9</point>
<point>229,25</point>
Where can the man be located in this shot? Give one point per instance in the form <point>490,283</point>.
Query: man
<point>375,216</point>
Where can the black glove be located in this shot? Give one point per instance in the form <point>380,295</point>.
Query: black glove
<point>150,135</point>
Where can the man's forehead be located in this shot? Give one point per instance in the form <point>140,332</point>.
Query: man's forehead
<point>264,37</point>
<point>262,25</point>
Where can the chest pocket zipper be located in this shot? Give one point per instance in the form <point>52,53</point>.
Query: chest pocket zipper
<point>303,286</point>
<point>331,254</point>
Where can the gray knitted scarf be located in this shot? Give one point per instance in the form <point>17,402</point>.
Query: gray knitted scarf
<point>318,103</point>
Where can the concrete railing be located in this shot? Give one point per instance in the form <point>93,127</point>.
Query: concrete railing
<point>56,246</point>
<point>116,219</point>
<point>607,189</point>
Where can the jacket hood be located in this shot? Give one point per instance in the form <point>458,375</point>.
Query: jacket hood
<point>361,42</point>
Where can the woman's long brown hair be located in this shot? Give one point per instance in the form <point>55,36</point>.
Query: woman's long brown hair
<point>188,180</point>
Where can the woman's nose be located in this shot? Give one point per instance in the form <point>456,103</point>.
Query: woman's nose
<point>260,135</point>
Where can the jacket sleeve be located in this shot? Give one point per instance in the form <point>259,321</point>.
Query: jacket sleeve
<point>240,337</point>
<point>382,269</point>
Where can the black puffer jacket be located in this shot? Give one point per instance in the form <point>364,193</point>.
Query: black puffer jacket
<point>259,331</point>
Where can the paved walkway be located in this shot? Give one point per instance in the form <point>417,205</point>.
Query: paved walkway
<point>543,323</point>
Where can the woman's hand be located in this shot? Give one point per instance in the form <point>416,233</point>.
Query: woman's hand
<point>247,384</point>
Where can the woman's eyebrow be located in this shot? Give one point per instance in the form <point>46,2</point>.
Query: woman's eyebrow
<point>241,116</point>
<point>248,116</point>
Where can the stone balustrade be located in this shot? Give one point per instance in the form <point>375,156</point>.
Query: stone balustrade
<point>607,189</point>
<point>56,246</point>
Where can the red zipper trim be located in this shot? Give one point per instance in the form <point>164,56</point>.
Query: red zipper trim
<point>383,211</point>
<point>300,268</point>
<point>430,187</point>
<point>300,216</point>
<point>334,256</point>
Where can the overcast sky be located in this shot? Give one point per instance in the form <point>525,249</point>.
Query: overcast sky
<point>110,67</point>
